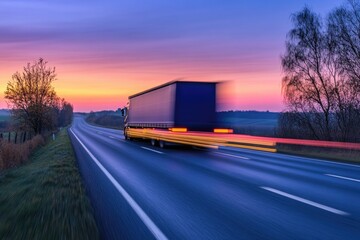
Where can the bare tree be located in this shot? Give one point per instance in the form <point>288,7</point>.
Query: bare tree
<point>344,45</point>
<point>31,96</point>
<point>344,36</point>
<point>307,84</point>
<point>321,83</point>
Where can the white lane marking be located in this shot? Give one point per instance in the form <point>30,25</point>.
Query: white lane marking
<point>111,137</point>
<point>347,178</point>
<point>235,156</point>
<point>145,218</point>
<point>149,149</point>
<point>303,200</point>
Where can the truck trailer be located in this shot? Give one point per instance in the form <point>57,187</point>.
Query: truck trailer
<point>173,106</point>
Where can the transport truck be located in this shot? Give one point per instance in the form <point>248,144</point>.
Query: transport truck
<point>177,106</point>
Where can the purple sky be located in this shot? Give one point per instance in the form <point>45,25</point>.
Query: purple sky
<point>140,44</point>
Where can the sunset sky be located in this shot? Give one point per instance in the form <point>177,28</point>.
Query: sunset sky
<point>106,50</point>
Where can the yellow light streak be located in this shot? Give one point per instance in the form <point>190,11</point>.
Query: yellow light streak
<point>208,140</point>
<point>223,130</point>
<point>178,129</point>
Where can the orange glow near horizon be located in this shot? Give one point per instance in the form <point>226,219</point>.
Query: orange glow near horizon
<point>99,89</point>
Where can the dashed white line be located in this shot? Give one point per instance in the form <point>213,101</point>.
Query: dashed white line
<point>143,216</point>
<point>149,149</point>
<point>346,178</point>
<point>235,156</point>
<point>303,200</point>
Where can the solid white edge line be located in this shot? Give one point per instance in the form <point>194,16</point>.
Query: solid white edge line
<point>149,149</point>
<point>346,178</point>
<point>230,155</point>
<point>143,216</point>
<point>303,200</point>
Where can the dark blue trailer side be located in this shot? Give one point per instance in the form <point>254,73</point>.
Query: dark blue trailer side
<point>195,106</point>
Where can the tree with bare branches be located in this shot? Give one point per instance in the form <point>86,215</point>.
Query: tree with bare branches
<point>32,97</point>
<point>321,86</point>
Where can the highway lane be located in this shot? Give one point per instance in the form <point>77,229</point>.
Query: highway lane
<point>143,192</point>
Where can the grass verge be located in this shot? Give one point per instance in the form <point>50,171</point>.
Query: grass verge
<point>45,199</point>
<point>340,155</point>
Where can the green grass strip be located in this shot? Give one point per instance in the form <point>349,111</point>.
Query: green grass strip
<point>339,155</point>
<point>45,199</point>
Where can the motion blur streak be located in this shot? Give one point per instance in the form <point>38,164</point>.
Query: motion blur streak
<point>201,139</point>
<point>214,140</point>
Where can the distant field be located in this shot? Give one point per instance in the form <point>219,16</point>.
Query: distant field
<point>250,122</point>
<point>4,115</point>
<point>108,119</point>
<point>4,118</point>
<point>247,122</point>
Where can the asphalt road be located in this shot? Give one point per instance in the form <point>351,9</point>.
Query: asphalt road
<point>144,192</point>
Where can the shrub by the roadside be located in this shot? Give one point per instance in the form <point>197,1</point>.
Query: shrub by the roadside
<point>12,155</point>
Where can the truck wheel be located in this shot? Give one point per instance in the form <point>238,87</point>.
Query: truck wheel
<point>153,142</point>
<point>127,137</point>
<point>162,144</point>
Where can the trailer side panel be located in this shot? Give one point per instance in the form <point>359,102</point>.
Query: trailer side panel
<point>195,105</point>
<point>153,109</point>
